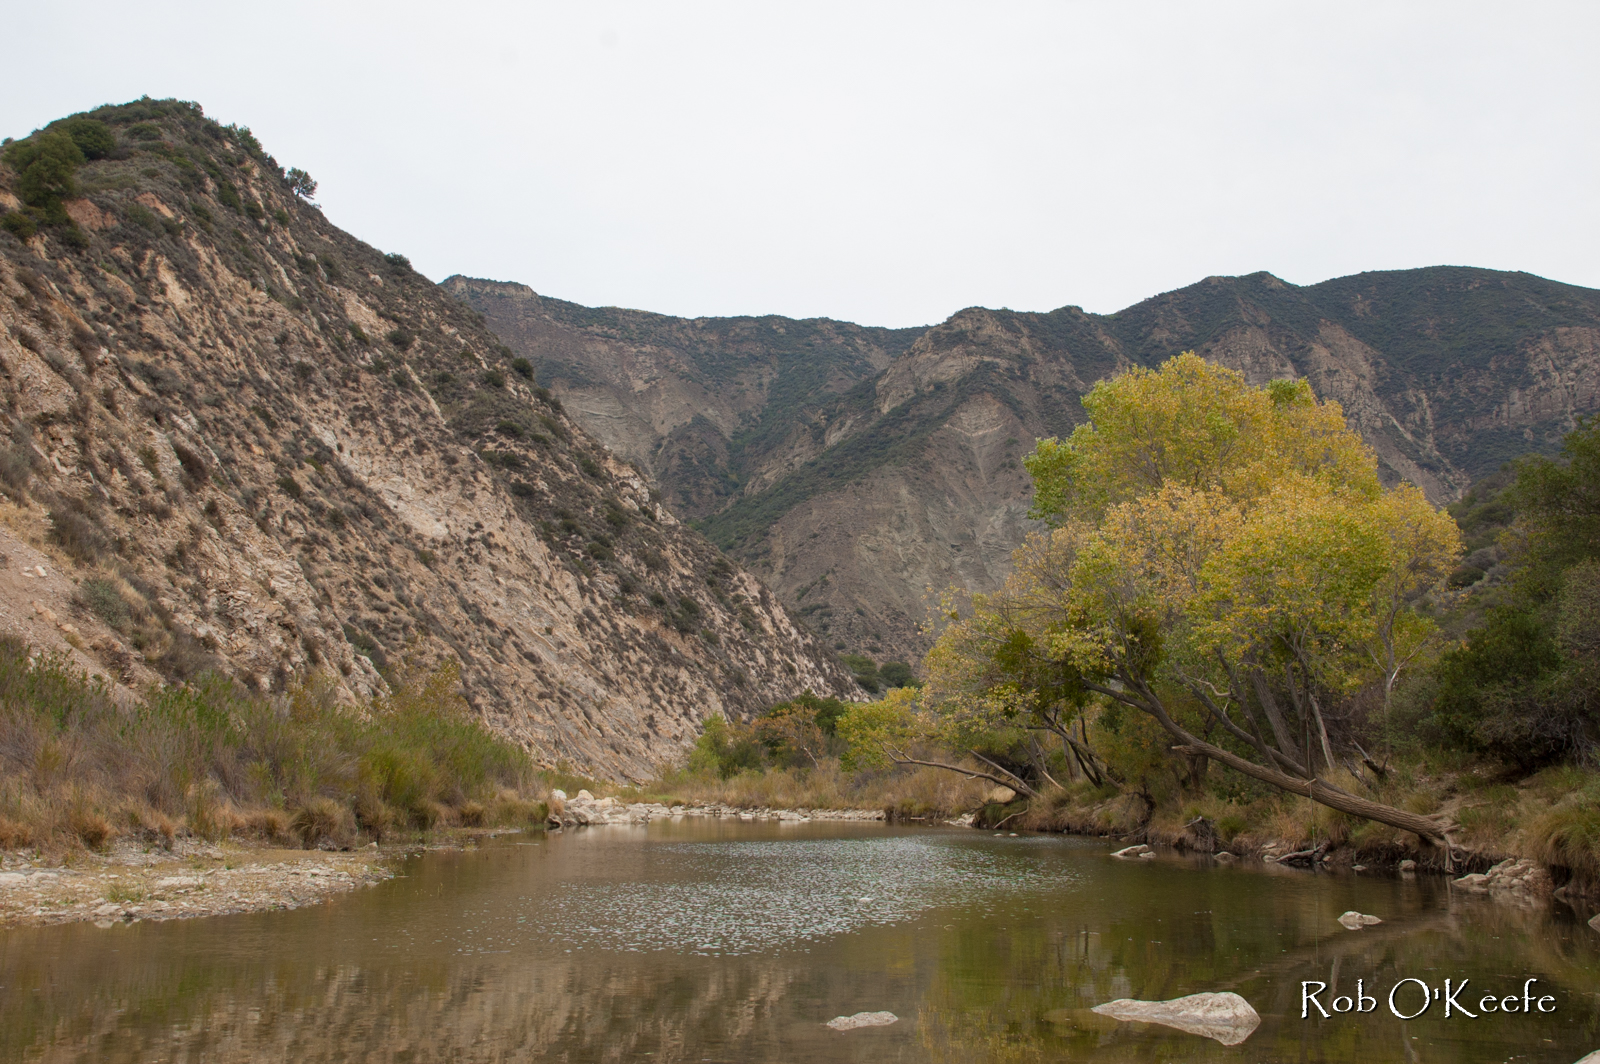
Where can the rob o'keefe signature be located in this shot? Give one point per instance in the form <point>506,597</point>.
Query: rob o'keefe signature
<point>1410,998</point>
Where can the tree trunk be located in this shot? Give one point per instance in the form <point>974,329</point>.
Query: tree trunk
<point>1315,789</point>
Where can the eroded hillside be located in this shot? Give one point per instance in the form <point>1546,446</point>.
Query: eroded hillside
<point>247,441</point>
<point>909,480</point>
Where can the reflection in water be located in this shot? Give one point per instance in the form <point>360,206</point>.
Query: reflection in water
<point>695,941</point>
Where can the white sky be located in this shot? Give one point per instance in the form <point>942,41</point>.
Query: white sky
<point>885,163</point>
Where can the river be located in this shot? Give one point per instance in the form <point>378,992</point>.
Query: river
<point>723,941</point>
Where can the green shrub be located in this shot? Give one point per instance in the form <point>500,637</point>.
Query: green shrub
<point>19,224</point>
<point>94,139</point>
<point>523,368</point>
<point>493,378</point>
<point>102,598</point>
<point>291,487</point>
<point>401,337</point>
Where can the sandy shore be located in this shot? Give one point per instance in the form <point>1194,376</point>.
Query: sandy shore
<point>133,882</point>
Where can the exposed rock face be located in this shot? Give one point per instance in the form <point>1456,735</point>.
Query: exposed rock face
<point>1227,1017</point>
<point>899,470</point>
<point>265,447</point>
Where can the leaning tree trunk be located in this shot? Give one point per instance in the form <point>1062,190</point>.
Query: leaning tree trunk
<point>1313,788</point>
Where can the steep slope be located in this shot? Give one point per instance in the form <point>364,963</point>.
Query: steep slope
<point>712,408</point>
<point>1446,372</point>
<point>254,443</point>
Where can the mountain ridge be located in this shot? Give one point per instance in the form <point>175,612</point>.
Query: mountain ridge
<point>1446,371</point>
<point>249,442</point>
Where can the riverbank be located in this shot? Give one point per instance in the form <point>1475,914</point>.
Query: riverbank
<point>128,882</point>
<point>1550,819</point>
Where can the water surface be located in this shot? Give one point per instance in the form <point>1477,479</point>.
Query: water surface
<point>696,940</point>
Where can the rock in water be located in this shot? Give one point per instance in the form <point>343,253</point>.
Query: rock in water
<point>863,1019</point>
<point>1594,922</point>
<point>1592,1058</point>
<point>1132,851</point>
<point>1354,921</point>
<point>1226,1017</point>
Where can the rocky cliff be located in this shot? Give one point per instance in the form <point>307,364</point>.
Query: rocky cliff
<point>237,438</point>
<point>900,479</point>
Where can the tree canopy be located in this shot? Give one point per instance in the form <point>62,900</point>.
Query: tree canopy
<point>1222,558</point>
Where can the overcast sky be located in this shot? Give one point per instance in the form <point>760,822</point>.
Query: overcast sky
<point>885,163</point>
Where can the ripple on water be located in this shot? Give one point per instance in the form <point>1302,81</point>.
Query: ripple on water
<point>755,897</point>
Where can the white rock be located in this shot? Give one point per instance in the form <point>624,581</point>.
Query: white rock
<point>1354,921</point>
<point>1408,865</point>
<point>559,796</point>
<point>1148,854</point>
<point>1594,922</point>
<point>175,882</point>
<point>1224,857</point>
<point>862,1019</point>
<point>1592,1058</point>
<point>110,908</point>
<point>11,879</point>
<point>1132,851</point>
<point>1227,1017</point>
<point>584,796</point>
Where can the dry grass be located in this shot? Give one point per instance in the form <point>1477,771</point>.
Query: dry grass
<point>913,793</point>
<point>211,760</point>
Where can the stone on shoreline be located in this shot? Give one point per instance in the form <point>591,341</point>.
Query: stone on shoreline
<point>1225,1017</point>
<point>1354,921</point>
<point>1513,875</point>
<point>1128,852</point>
<point>862,1019</point>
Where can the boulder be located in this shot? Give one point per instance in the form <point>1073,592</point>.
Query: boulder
<point>1354,921</point>
<point>1225,858</point>
<point>1408,865</point>
<point>862,1019</point>
<point>1132,851</point>
<point>558,796</point>
<point>1226,1017</point>
<point>1591,1058</point>
<point>1594,922</point>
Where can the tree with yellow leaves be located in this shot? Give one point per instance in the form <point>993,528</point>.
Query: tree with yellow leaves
<point>1222,558</point>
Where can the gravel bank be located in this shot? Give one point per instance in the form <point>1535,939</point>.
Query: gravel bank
<point>195,878</point>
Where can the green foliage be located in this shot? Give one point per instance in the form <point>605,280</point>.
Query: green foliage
<point>94,139</point>
<point>897,674</point>
<point>301,183</point>
<point>864,671</point>
<point>291,487</point>
<point>45,164</point>
<point>493,378</point>
<point>1523,686</point>
<point>194,751</point>
<point>19,224</point>
<point>397,263</point>
<point>104,599</point>
<point>724,751</point>
<point>523,368</point>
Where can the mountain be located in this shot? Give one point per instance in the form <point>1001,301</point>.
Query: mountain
<point>896,471</point>
<point>237,438</point>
